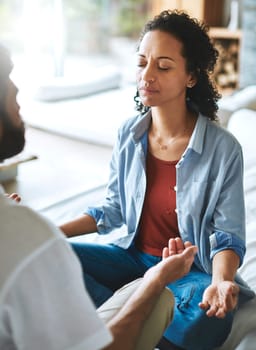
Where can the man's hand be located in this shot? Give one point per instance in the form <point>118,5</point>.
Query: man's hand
<point>220,298</point>
<point>177,261</point>
<point>14,196</point>
<point>175,246</point>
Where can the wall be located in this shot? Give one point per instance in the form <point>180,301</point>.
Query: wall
<point>248,45</point>
<point>194,8</point>
<point>208,10</point>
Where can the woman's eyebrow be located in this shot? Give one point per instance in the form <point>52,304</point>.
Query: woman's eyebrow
<point>159,58</point>
<point>165,58</point>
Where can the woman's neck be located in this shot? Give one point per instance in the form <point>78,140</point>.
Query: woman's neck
<point>171,123</point>
<point>169,134</point>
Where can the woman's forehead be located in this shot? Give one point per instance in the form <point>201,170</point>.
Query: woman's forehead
<point>160,43</point>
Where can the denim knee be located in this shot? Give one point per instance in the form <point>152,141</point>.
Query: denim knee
<point>202,333</point>
<point>191,328</point>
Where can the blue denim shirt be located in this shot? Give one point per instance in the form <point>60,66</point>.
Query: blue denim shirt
<point>209,185</point>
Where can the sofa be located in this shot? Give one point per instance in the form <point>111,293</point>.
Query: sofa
<point>238,114</point>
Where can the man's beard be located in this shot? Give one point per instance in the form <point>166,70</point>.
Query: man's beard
<point>12,139</point>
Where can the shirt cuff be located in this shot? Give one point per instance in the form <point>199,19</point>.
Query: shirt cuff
<point>222,241</point>
<point>98,216</point>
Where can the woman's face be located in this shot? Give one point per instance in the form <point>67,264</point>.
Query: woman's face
<point>161,76</point>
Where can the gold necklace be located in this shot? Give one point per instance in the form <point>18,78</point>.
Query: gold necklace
<point>190,123</point>
<point>164,147</point>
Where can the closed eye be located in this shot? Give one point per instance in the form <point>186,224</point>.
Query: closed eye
<point>142,65</point>
<point>164,68</point>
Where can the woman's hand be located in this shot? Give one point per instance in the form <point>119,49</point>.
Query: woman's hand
<point>14,196</point>
<point>222,295</point>
<point>220,298</point>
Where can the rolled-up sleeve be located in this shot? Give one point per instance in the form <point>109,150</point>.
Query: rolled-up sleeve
<point>222,241</point>
<point>108,215</point>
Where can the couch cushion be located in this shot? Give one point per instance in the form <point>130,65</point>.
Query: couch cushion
<point>244,323</point>
<point>90,82</point>
<point>95,118</point>
<point>245,98</point>
<point>243,125</point>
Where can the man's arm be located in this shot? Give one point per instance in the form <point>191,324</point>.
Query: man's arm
<point>128,323</point>
<point>222,295</point>
<point>82,225</point>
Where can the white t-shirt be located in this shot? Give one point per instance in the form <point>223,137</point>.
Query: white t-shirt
<point>43,302</point>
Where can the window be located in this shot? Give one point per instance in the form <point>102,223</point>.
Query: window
<point>45,36</point>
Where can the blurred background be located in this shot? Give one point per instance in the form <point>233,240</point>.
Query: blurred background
<point>74,65</point>
<point>57,38</point>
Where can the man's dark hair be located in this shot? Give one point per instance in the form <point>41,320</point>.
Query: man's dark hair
<point>12,137</point>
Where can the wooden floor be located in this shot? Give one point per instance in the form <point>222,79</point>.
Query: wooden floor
<point>65,168</point>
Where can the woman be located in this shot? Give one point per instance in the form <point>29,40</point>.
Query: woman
<point>174,174</point>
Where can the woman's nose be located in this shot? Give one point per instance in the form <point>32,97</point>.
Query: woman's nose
<point>148,74</point>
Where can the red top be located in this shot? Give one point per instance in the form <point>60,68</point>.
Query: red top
<point>158,221</point>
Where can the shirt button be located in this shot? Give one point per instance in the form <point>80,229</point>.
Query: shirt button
<point>176,210</point>
<point>175,188</point>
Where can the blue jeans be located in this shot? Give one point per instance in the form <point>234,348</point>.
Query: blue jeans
<point>108,267</point>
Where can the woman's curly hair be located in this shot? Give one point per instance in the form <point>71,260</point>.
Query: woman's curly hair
<point>200,55</point>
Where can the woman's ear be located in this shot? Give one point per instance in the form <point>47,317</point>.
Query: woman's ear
<point>190,85</point>
<point>192,81</point>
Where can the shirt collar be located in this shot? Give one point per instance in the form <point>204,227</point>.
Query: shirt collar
<point>197,137</point>
<point>141,126</point>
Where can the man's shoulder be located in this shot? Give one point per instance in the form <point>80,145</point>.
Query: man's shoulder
<point>23,232</point>
<point>21,221</point>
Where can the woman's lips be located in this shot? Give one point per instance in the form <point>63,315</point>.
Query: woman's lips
<point>148,91</point>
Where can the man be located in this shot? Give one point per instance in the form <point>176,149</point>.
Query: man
<point>43,303</point>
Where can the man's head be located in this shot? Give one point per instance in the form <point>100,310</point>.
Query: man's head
<point>12,130</point>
